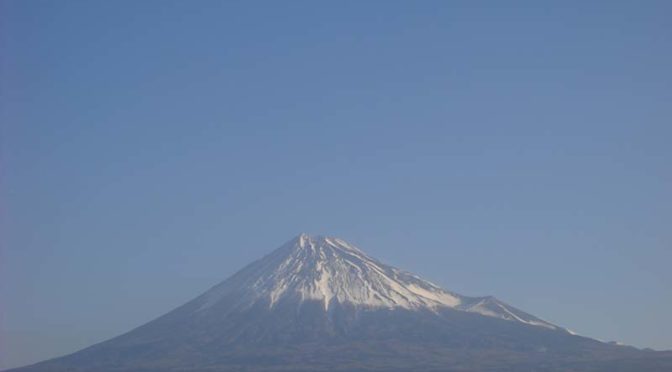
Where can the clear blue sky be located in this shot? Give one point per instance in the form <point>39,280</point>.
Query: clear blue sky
<point>150,149</point>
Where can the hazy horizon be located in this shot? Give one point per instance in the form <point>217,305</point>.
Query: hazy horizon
<point>151,149</point>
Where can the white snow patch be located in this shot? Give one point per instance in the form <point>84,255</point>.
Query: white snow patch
<point>331,270</point>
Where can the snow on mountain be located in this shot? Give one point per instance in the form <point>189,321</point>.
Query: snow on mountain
<point>328,270</point>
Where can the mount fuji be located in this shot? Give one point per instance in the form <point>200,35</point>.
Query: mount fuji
<point>320,303</point>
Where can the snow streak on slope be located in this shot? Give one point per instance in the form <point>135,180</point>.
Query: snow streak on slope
<point>329,270</point>
<point>490,306</point>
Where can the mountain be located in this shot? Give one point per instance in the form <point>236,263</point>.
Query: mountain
<point>320,303</point>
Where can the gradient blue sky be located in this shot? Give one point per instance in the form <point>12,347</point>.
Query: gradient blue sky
<point>150,149</point>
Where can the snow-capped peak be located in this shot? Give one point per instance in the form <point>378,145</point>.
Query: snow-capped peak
<point>329,270</point>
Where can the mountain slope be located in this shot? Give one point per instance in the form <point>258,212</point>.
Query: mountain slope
<point>319,303</point>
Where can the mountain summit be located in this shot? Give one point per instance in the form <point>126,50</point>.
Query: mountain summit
<point>330,270</point>
<point>320,303</point>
